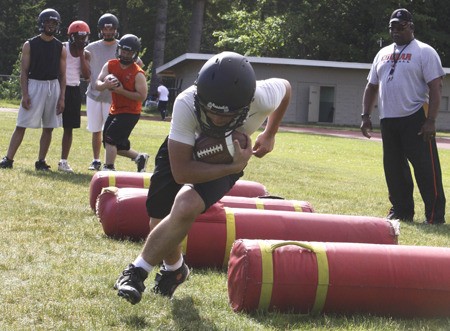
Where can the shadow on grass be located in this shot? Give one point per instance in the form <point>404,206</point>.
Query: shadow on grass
<point>58,176</point>
<point>186,314</point>
<point>136,322</point>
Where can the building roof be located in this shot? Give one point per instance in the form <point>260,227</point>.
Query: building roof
<point>273,60</point>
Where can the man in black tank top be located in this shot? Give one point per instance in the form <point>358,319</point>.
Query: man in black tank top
<point>43,84</point>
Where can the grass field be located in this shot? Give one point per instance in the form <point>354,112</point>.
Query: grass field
<point>57,267</point>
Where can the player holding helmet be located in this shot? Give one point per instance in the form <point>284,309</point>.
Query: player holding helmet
<point>225,97</point>
<point>99,102</point>
<point>77,65</point>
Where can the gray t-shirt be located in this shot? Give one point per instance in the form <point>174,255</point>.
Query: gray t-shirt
<point>100,54</point>
<point>406,91</point>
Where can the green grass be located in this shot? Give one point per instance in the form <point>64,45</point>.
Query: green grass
<point>57,267</point>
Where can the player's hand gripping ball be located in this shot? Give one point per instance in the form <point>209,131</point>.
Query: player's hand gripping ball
<point>112,78</point>
<point>218,150</point>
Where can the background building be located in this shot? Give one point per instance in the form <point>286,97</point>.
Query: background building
<point>324,92</point>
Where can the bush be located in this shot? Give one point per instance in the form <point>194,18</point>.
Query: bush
<point>10,87</point>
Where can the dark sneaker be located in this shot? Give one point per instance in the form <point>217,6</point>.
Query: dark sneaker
<point>141,162</point>
<point>166,282</point>
<point>95,165</point>
<point>41,165</point>
<point>6,163</point>
<point>108,167</point>
<point>130,285</point>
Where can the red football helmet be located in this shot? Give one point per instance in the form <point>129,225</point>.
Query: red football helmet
<point>79,33</point>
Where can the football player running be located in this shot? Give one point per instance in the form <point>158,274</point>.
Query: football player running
<point>224,98</point>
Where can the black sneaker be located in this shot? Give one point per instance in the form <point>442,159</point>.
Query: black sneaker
<point>108,167</point>
<point>130,285</point>
<point>6,163</point>
<point>141,162</point>
<point>166,282</point>
<point>95,165</point>
<point>41,165</point>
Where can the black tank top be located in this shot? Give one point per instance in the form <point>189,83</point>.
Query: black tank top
<point>45,57</point>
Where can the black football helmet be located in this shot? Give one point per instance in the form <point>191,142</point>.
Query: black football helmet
<point>128,42</point>
<point>105,21</point>
<point>225,86</point>
<point>46,15</point>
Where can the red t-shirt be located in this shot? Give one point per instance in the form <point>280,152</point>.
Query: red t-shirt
<point>121,104</point>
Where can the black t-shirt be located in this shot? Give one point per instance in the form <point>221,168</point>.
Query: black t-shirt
<point>45,58</point>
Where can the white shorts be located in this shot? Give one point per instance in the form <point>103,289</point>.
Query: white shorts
<point>97,112</point>
<point>44,95</point>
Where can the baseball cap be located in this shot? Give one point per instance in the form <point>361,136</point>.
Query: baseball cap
<point>401,15</point>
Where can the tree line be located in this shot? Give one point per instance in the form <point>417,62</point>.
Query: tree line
<point>334,30</point>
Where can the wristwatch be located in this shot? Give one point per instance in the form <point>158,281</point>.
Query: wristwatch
<point>365,116</point>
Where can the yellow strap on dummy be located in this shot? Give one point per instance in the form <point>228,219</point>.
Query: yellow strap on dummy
<point>231,234</point>
<point>319,249</point>
<point>111,178</point>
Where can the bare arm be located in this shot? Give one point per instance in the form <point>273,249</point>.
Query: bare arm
<point>100,83</point>
<point>428,129</point>
<point>369,97</point>
<point>62,81</point>
<point>24,67</point>
<point>85,61</point>
<point>140,85</point>
<point>266,140</point>
<point>187,170</point>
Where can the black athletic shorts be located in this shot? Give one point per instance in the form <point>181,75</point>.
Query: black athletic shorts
<point>118,129</point>
<point>163,188</point>
<point>72,108</point>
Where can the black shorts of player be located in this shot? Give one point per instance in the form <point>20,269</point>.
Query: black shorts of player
<point>118,128</point>
<point>72,108</point>
<point>163,188</point>
<point>162,105</point>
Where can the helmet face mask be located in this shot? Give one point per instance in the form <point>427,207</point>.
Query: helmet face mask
<point>225,87</point>
<point>128,49</point>
<point>79,39</point>
<point>235,118</point>
<point>49,21</point>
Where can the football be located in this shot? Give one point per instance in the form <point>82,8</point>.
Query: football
<point>112,78</point>
<point>218,150</point>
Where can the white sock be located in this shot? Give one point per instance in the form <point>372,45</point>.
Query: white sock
<point>63,160</point>
<point>173,267</point>
<point>141,263</point>
<point>96,160</point>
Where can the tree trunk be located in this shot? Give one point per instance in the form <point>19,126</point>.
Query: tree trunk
<point>159,44</point>
<point>83,10</point>
<point>195,36</point>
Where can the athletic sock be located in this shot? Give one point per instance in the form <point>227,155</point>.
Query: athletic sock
<point>173,267</point>
<point>141,263</point>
